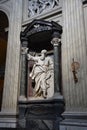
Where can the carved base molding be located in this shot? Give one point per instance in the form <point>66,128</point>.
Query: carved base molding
<point>74,120</point>
<point>8,120</point>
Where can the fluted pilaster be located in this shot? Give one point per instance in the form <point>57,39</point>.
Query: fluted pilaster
<point>10,93</point>
<point>74,47</point>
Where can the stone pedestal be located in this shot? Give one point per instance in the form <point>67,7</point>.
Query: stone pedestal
<point>41,114</point>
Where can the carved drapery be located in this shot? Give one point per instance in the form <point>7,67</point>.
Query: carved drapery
<point>40,6</point>
<point>41,75</point>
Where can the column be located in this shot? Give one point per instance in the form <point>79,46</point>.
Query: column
<point>11,84</point>
<point>57,72</point>
<point>74,47</point>
<point>23,66</point>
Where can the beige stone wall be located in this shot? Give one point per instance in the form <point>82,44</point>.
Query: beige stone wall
<point>74,46</point>
<point>85,22</point>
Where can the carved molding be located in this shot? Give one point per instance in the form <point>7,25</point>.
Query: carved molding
<point>40,6</point>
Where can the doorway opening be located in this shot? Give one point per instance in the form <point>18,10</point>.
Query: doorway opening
<point>3,47</point>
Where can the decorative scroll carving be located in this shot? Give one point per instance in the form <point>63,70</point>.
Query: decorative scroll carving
<point>39,6</point>
<point>41,73</point>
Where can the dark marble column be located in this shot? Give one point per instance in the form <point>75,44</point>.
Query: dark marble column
<point>56,44</point>
<point>23,65</point>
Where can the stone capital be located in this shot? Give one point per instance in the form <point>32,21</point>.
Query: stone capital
<point>24,50</point>
<point>55,41</point>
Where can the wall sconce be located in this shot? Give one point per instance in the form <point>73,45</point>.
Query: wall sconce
<point>75,66</point>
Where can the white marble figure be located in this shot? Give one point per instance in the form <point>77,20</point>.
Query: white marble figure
<point>42,72</point>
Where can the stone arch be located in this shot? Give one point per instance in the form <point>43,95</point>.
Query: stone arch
<point>6,10</point>
<point>4,24</point>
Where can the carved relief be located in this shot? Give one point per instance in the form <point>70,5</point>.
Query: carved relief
<point>40,6</point>
<point>41,74</point>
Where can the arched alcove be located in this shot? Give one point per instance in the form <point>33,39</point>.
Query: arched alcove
<point>40,94</point>
<point>36,37</point>
<point>3,47</point>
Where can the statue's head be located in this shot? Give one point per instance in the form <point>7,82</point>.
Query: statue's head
<point>44,51</point>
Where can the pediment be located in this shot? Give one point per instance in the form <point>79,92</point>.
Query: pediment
<point>40,25</point>
<point>39,34</point>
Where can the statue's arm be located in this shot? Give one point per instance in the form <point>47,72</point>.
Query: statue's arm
<point>30,57</point>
